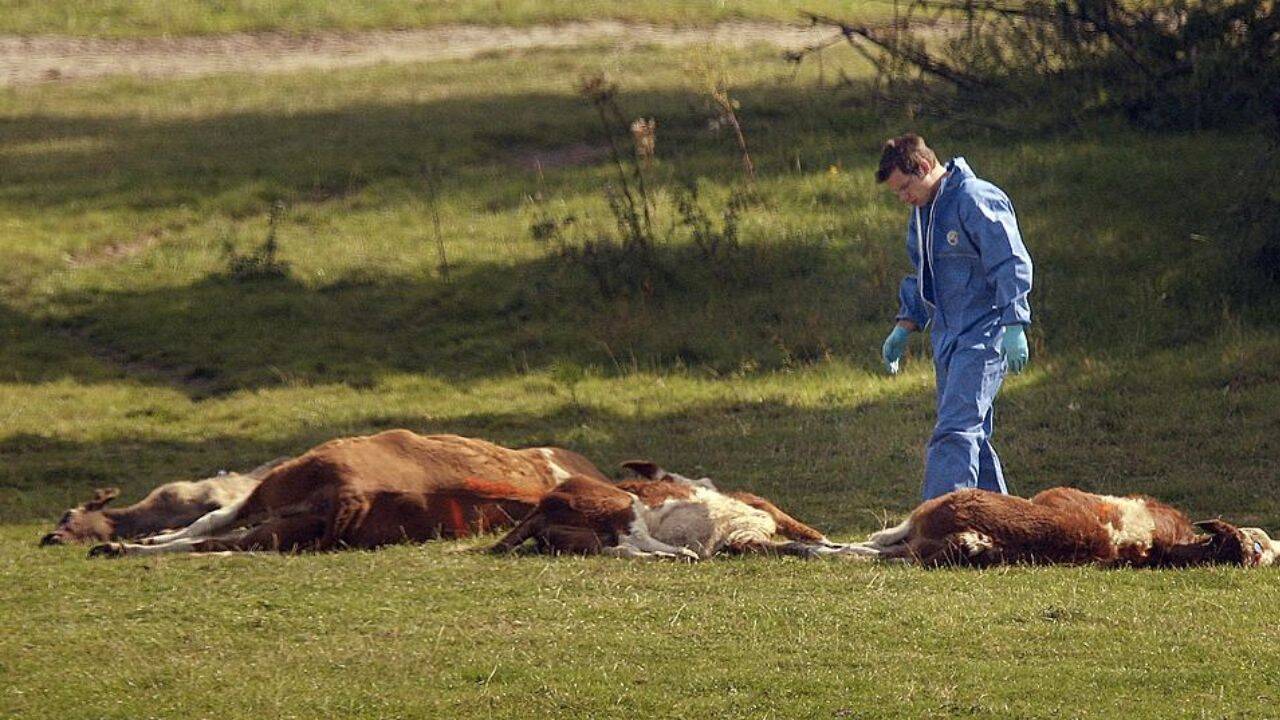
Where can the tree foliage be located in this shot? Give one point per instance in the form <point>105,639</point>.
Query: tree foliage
<point>1173,64</point>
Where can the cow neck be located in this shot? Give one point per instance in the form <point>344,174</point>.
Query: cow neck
<point>130,522</point>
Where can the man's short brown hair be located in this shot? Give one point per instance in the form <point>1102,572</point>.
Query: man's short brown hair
<point>905,154</point>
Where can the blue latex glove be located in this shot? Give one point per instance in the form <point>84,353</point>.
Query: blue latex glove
<point>1014,349</point>
<point>894,345</point>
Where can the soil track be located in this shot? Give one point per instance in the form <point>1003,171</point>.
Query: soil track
<point>32,59</point>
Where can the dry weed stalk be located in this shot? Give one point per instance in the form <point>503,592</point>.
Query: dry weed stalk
<point>635,216</point>
<point>428,180</point>
<point>643,134</point>
<point>727,107</point>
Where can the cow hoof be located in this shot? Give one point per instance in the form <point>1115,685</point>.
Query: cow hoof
<point>110,550</point>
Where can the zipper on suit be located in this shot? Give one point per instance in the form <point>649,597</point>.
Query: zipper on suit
<point>924,247</point>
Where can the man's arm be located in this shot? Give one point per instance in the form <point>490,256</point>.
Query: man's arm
<point>911,309</point>
<point>989,219</point>
<point>912,313</point>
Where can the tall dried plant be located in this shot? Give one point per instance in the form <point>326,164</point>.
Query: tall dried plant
<point>429,184</point>
<point>634,205</point>
<point>728,116</point>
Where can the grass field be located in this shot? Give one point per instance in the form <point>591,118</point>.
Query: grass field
<point>130,358</point>
<point>144,18</point>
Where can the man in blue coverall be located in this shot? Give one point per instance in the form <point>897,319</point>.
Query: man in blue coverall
<point>970,289</point>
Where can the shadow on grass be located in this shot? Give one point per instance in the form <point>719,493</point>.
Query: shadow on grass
<point>238,163</point>
<point>1107,273</point>
<point>840,465</point>
<point>808,460</point>
<point>790,302</point>
<point>766,306</point>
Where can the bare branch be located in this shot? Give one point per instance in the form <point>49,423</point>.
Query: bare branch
<point>891,45</point>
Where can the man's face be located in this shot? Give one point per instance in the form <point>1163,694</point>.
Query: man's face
<point>914,190</point>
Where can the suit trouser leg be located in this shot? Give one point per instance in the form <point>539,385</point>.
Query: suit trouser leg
<point>990,471</point>
<point>959,454</point>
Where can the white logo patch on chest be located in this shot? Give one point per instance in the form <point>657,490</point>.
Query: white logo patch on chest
<point>953,237</point>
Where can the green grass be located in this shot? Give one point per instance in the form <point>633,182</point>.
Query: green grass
<point>142,18</point>
<point>428,632</point>
<point>127,358</point>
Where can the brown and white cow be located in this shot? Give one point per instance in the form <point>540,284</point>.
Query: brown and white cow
<point>169,506</point>
<point>1062,526</point>
<point>369,491</point>
<point>664,516</point>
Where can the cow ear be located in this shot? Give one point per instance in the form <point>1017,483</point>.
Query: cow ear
<point>1216,527</point>
<point>101,497</point>
<point>261,471</point>
<point>645,469</point>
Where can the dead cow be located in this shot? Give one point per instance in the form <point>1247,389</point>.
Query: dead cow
<point>169,506</point>
<point>369,491</point>
<point>663,516</point>
<point>1062,526</point>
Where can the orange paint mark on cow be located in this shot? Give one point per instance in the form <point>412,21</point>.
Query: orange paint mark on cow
<point>457,521</point>
<point>502,490</point>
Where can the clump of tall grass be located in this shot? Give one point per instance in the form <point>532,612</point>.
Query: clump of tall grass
<point>626,260</point>
<point>430,186</point>
<point>714,243</point>
<point>261,263</point>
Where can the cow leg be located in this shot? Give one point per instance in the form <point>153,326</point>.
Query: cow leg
<point>181,545</point>
<point>795,548</point>
<point>646,543</point>
<point>638,536</point>
<point>205,526</point>
<point>288,534</point>
<point>891,536</point>
<point>120,549</point>
<point>871,552</point>
<point>533,525</point>
<point>632,553</point>
<point>970,549</point>
<point>571,539</point>
<point>817,550</point>
<point>349,511</point>
<point>766,547</point>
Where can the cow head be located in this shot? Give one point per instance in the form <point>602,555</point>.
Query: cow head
<point>1268,549</point>
<point>86,523</point>
<point>1230,544</point>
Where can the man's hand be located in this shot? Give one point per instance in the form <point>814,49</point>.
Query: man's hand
<point>1014,348</point>
<point>894,345</point>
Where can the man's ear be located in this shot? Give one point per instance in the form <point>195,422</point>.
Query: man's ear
<point>101,497</point>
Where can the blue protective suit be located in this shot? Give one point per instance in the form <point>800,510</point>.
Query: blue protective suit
<point>972,278</point>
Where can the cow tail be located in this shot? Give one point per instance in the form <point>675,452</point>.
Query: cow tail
<point>788,527</point>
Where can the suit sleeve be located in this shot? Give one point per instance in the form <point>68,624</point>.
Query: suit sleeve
<point>989,220</point>
<point>910,306</point>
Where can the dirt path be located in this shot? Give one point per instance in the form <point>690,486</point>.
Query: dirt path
<point>26,60</point>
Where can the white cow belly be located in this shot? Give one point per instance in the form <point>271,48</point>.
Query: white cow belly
<point>707,522</point>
